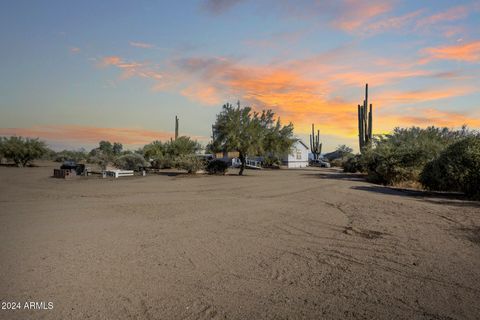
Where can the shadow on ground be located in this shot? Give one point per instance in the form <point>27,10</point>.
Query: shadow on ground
<point>442,198</point>
<point>337,175</point>
<point>472,234</point>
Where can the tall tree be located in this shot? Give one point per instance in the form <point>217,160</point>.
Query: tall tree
<point>250,133</point>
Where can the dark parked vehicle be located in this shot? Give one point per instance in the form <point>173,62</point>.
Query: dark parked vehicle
<point>73,166</point>
<point>319,163</point>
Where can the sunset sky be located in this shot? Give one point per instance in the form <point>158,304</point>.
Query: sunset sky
<point>76,72</point>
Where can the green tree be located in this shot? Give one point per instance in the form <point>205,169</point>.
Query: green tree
<point>344,151</point>
<point>117,148</point>
<point>22,150</point>
<point>154,150</point>
<point>250,133</point>
<point>106,147</point>
<point>182,146</point>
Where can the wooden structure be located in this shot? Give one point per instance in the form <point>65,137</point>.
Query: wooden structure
<point>64,173</point>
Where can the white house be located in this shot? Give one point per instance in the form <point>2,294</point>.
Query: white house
<point>298,157</point>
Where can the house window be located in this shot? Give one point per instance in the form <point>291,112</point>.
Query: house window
<point>299,154</point>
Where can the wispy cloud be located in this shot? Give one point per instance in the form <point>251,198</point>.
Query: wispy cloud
<point>219,6</point>
<point>353,15</point>
<point>74,49</point>
<point>143,45</point>
<point>393,98</point>
<point>410,22</point>
<point>451,14</point>
<point>429,117</point>
<point>89,134</point>
<point>390,23</point>
<point>205,94</point>
<point>469,52</point>
<point>134,69</point>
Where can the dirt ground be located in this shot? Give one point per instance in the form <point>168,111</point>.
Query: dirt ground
<point>286,244</point>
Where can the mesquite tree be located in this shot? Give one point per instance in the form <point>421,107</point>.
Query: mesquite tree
<point>250,133</point>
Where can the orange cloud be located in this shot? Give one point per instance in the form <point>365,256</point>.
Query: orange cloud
<point>133,69</point>
<point>111,60</point>
<point>207,95</point>
<point>88,134</point>
<point>294,89</point>
<point>429,117</point>
<point>355,14</point>
<point>393,98</point>
<point>469,52</point>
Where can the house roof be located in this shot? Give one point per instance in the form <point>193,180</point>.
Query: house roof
<point>303,144</point>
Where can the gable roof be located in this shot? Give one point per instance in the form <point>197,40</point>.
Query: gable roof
<point>303,144</point>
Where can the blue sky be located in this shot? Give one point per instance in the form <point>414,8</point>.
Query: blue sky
<point>74,73</point>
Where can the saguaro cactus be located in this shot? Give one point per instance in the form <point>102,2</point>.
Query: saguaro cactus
<point>176,127</point>
<point>315,144</point>
<point>365,122</point>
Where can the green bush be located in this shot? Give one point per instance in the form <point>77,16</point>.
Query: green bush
<point>456,169</point>
<point>189,162</point>
<point>353,164</point>
<point>272,161</point>
<point>22,151</point>
<point>132,161</point>
<point>401,156</point>
<point>217,166</point>
<point>166,155</point>
<point>76,156</point>
<point>337,163</point>
<point>154,150</point>
<point>162,162</point>
<point>181,146</point>
<point>100,157</point>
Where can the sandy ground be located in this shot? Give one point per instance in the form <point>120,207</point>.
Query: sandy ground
<point>288,244</point>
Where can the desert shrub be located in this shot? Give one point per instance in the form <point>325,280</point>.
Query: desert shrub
<point>189,162</point>
<point>153,150</point>
<point>132,161</point>
<point>165,155</point>
<point>181,146</point>
<point>456,169</point>
<point>353,164</point>
<point>22,151</point>
<point>100,157</point>
<point>216,166</point>
<point>336,163</point>
<point>76,156</point>
<point>401,156</point>
<point>271,161</point>
<point>162,162</point>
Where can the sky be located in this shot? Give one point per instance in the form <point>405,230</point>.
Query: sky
<point>77,72</point>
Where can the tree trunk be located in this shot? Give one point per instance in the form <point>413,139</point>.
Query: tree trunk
<point>243,161</point>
